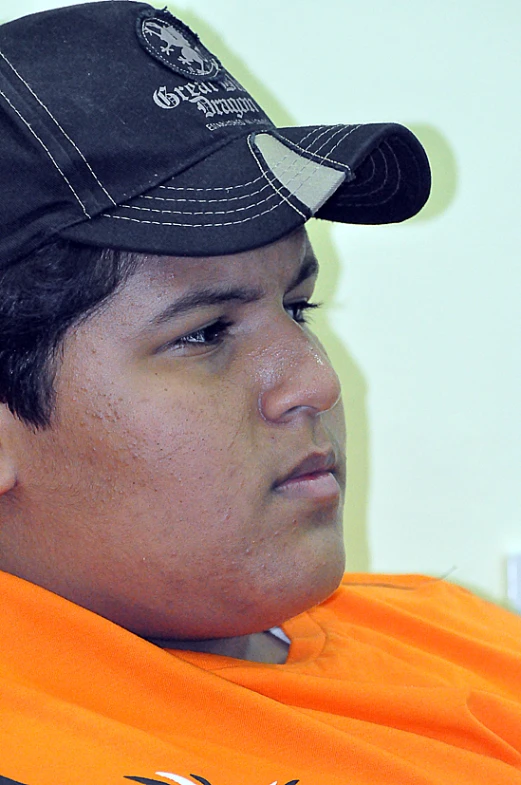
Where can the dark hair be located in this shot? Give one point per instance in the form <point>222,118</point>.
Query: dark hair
<point>41,297</point>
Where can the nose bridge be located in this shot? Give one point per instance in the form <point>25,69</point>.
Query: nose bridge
<point>295,374</point>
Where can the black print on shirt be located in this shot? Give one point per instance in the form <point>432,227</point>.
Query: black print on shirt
<point>142,780</point>
<point>202,780</point>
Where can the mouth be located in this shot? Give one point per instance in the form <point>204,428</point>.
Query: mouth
<point>314,478</point>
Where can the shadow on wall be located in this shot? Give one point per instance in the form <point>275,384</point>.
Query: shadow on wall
<point>352,380</point>
<point>354,390</point>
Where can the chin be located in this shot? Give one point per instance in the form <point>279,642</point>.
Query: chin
<point>324,580</point>
<point>256,599</point>
<point>296,592</point>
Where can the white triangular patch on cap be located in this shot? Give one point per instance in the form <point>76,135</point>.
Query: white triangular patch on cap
<point>311,182</point>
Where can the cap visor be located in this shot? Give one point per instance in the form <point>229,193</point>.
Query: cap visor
<point>234,201</point>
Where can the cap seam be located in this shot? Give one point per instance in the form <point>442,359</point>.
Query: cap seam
<point>268,184</point>
<point>234,198</point>
<point>256,179</point>
<point>380,187</point>
<point>306,162</point>
<point>371,193</point>
<point>195,226</point>
<point>207,201</point>
<point>272,184</point>
<point>327,158</point>
<point>56,122</point>
<point>42,143</point>
<point>200,212</point>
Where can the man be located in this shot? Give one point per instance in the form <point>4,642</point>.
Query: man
<point>172,443</point>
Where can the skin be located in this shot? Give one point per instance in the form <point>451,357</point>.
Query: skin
<point>154,499</point>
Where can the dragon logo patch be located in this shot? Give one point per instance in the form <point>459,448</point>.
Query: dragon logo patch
<point>176,46</point>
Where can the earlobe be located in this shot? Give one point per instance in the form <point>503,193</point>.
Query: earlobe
<point>7,458</point>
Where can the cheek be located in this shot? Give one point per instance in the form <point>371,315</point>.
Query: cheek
<point>192,449</point>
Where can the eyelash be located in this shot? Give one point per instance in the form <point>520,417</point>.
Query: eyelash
<point>299,310</point>
<point>216,331</point>
<point>211,334</point>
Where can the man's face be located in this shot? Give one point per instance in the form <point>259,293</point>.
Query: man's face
<point>183,490</point>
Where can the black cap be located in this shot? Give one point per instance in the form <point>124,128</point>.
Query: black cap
<point>119,129</point>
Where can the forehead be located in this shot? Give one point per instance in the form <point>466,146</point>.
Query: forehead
<point>162,288</point>
<point>275,260</point>
<point>160,280</point>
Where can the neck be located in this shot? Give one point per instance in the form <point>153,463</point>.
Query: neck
<point>258,647</point>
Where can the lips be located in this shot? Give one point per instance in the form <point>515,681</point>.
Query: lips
<point>312,478</point>
<point>316,463</point>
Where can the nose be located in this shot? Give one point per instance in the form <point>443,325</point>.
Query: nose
<point>297,377</point>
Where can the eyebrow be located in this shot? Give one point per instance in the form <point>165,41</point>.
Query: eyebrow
<point>216,295</point>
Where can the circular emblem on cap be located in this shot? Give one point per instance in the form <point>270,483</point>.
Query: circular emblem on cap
<point>173,43</point>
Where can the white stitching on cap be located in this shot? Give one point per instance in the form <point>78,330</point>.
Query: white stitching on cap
<point>274,191</point>
<point>299,147</point>
<point>225,188</point>
<point>22,118</point>
<point>299,173</point>
<point>265,212</point>
<point>367,182</point>
<point>267,183</point>
<point>373,173</point>
<point>206,201</point>
<point>66,135</point>
<point>329,131</point>
<point>398,183</point>
<point>277,191</point>
<point>327,157</point>
<point>256,179</point>
<point>200,212</point>
<point>250,194</point>
<point>192,226</point>
<point>382,185</point>
<point>384,201</point>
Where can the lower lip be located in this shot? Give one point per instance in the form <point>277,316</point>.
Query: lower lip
<point>321,486</point>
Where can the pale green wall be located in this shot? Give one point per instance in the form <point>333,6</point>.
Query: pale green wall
<point>424,321</point>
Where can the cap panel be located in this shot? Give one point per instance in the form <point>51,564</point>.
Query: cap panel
<point>118,128</point>
<point>112,120</point>
<point>255,203</point>
<point>39,127</point>
<point>188,215</point>
<point>35,189</point>
<point>100,84</point>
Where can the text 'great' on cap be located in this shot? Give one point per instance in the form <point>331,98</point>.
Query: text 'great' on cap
<point>118,128</point>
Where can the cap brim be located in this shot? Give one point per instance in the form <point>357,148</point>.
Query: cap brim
<point>249,194</point>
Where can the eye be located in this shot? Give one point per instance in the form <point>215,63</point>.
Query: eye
<point>299,311</point>
<point>205,337</point>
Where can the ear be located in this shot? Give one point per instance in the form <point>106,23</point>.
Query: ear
<point>7,458</point>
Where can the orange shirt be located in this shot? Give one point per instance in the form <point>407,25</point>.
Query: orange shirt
<point>403,680</point>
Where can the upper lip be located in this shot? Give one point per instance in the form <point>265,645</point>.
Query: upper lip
<point>315,462</point>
